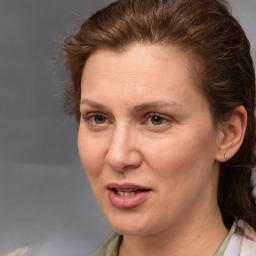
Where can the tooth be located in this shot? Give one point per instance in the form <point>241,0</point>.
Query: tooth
<point>120,193</point>
<point>129,190</point>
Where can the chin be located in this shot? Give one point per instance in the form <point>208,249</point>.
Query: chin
<point>130,231</point>
<point>127,224</point>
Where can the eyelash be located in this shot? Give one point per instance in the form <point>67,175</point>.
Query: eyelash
<point>90,118</point>
<point>163,118</point>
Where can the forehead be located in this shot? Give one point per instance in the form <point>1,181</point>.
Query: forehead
<point>138,62</point>
<point>143,72</point>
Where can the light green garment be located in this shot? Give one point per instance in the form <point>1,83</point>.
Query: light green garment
<point>224,244</point>
<point>111,247</point>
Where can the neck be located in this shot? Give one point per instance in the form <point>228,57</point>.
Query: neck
<point>201,234</point>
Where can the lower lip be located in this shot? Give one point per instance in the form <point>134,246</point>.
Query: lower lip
<point>127,201</point>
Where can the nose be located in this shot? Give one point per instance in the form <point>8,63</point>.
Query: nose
<point>123,152</point>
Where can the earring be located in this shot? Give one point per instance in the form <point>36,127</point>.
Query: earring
<point>225,156</point>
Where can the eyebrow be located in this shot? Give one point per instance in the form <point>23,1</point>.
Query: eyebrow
<point>153,104</point>
<point>138,108</point>
<point>92,104</point>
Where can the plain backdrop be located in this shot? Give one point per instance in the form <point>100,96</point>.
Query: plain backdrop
<point>45,200</point>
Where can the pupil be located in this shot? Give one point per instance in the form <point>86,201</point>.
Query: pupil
<point>99,119</point>
<point>156,120</point>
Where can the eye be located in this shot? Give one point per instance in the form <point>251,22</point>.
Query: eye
<point>99,119</point>
<point>157,120</point>
<point>96,119</point>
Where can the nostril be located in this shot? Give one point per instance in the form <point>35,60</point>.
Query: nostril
<point>117,167</point>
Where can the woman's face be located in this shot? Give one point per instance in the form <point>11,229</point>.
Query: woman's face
<point>146,139</point>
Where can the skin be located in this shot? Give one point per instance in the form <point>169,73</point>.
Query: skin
<point>175,154</point>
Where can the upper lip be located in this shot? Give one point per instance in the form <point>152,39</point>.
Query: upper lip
<point>126,186</point>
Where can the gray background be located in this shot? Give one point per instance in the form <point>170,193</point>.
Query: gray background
<point>45,199</point>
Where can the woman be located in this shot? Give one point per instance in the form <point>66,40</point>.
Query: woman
<point>164,96</point>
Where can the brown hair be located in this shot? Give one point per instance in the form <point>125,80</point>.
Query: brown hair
<point>219,52</point>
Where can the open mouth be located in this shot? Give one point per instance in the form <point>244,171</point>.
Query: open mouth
<point>127,195</point>
<point>128,192</point>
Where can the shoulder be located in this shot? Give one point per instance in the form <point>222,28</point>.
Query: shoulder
<point>249,240</point>
<point>110,247</point>
<point>242,242</point>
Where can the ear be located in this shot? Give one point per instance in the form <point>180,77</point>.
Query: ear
<point>231,135</point>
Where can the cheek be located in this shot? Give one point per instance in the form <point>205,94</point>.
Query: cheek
<point>91,154</point>
<point>182,159</point>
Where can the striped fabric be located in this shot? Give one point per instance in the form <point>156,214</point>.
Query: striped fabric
<point>242,242</point>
